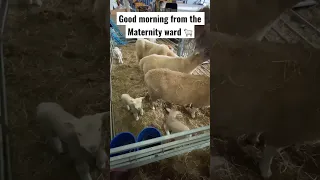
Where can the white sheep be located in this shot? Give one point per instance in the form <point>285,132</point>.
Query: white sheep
<point>188,32</point>
<point>178,88</point>
<point>133,105</point>
<point>117,53</point>
<point>145,48</point>
<point>81,136</point>
<point>173,125</point>
<point>180,64</point>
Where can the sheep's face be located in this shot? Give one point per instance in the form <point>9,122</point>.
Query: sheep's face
<point>138,103</point>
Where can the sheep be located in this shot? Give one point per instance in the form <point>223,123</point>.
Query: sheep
<point>188,32</point>
<point>133,105</point>
<point>180,64</point>
<point>145,48</point>
<point>117,53</point>
<point>173,125</point>
<point>81,137</point>
<point>178,88</point>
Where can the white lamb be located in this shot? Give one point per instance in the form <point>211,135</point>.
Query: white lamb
<point>178,88</point>
<point>188,32</point>
<point>117,53</point>
<point>133,105</point>
<point>180,64</point>
<point>145,48</point>
<point>173,125</point>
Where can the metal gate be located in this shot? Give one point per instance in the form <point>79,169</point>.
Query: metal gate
<point>5,164</point>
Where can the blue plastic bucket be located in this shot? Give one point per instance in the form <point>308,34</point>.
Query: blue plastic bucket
<point>148,133</point>
<point>122,139</point>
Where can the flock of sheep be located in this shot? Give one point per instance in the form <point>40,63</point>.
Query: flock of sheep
<point>168,77</point>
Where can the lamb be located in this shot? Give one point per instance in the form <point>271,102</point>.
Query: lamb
<point>180,64</point>
<point>188,32</point>
<point>145,48</point>
<point>133,105</point>
<point>253,95</point>
<point>173,125</point>
<point>37,2</point>
<point>117,53</point>
<point>178,88</point>
<point>81,137</point>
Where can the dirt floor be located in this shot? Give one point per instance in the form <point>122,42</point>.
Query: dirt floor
<point>128,78</point>
<point>54,53</point>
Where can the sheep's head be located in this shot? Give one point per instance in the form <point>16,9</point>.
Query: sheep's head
<point>174,113</point>
<point>137,103</point>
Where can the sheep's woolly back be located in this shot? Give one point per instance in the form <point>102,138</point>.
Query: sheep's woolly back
<point>180,64</point>
<point>178,88</point>
<point>145,48</point>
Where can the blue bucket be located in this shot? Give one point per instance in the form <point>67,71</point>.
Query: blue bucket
<point>122,139</point>
<point>148,133</point>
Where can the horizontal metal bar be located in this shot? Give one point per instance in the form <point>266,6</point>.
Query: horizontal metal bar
<point>163,155</point>
<point>160,148</point>
<point>156,140</point>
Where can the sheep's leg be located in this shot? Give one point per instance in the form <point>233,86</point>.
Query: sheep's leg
<point>192,111</point>
<point>83,170</point>
<point>128,107</point>
<point>152,99</point>
<point>39,3</point>
<point>56,144</point>
<point>265,164</point>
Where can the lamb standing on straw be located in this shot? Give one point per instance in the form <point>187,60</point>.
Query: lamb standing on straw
<point>133,105</point>
<point>180,64</point>
<point>178,88</point>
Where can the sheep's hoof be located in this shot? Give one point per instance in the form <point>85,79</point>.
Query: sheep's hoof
<point>265,172</point>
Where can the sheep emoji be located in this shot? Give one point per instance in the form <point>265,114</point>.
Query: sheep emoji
<point>188,32</point>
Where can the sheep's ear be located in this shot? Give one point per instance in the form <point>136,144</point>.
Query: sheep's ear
<point>141,98</point>
<point>168,110</point>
